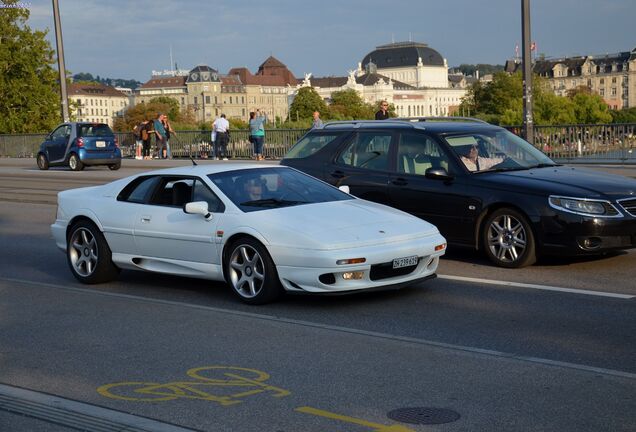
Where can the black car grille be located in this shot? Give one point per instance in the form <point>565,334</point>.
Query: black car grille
<point>386,270</point>
<point>629,205</point>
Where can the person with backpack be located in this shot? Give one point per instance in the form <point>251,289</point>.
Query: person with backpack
<point>147,131</point>
<point>138,141</point>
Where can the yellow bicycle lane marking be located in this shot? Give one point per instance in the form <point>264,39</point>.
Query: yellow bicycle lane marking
<point>218,384</point>
<point>214,389</point>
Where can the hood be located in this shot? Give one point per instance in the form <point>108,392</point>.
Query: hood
<point>342,224</point>
<point>568,181</point>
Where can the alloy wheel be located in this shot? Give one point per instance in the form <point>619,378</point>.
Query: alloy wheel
<point>83,253</point>
<point>507,238</point>
<point>246,271</point>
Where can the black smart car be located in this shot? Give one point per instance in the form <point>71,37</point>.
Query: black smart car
<point>481,185</point>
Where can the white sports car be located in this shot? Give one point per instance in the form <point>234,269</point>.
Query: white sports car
<point>262,229</point>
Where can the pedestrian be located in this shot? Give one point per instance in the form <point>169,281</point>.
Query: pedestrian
<point>317,123</point>
<point>160,136</point>
<point>383,112</point>
<point>147,132</point>
<point>257,132</point>
<point>138,140</point>
<point>221,128</point>
<point>169,132</point>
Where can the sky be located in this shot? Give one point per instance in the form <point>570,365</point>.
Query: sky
<point>130,38</point>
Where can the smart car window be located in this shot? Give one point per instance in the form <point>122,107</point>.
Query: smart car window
<point>92,130</point>
<point>59,132</point>
<point>309,145</point>
<point>418,152</point>
<point>367,150</point>
<point>201,192</point>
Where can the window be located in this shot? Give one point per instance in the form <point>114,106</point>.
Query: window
<point>418,152</point>
<point>201,192</point>
<point>309,145</point>
<point>138,190</point>
<point>207,99</point>
<point>367,150</point>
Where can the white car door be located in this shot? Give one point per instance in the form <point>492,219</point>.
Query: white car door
<point>164,230</point>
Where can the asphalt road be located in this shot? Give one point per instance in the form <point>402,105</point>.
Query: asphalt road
<point>496,355</point>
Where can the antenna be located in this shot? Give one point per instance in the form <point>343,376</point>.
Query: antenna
<point>193,161</point>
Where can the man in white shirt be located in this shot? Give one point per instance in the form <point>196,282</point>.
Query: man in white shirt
<point>221,127</point>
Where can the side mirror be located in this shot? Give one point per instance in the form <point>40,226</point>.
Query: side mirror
<point>345,189</point>
<point>438,174</point>
<point>198,207</point>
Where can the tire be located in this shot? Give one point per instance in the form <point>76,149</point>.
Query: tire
<point>251,272</point>
<point>508,239</point>
<point>114,167</point>
<point>88,254</point>
<point>74,162</point>
<point>42,161</point>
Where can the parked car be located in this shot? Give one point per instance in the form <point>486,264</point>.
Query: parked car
<point>263,230</point>
<point>78,144</point>
<point>481,185</point>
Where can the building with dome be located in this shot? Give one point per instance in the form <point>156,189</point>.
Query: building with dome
<point>411,75</point>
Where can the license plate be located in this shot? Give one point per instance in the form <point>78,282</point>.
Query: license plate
<point>100,143</point>
<point>405,262</point>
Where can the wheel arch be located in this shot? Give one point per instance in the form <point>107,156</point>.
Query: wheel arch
<point>83,217</point>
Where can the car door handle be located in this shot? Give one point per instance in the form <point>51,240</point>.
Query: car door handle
<point>399,182</point>
<point>145,219</point>
<point>337,174</point>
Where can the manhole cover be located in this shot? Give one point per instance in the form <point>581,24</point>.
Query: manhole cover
<point>422,415</point>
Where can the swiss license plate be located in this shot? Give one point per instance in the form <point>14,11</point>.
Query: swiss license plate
<point>405,262</point>
<point>100,143</point>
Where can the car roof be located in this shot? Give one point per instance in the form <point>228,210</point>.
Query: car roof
<point>433,124</point>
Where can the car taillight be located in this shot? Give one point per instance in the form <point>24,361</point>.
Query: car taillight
<point>80,142</point>
<point>116,142</point>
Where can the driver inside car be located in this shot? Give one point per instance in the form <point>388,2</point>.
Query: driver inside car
<point>474,162</point>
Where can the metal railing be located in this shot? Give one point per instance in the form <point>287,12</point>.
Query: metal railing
<point>580,143</point>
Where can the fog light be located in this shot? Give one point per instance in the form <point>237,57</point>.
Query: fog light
<point>353,275</point>
<point>592,243</point>
<point>440,247</point>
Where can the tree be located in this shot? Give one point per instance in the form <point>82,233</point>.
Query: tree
<point>348,105</point>
<point>147,111</point>
<point>307,101</point>
<point>627,115</point>
<point>174,110</point>
<point>30,100</point>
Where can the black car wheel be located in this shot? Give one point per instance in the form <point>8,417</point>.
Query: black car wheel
<point>508,239</point>
<point>251,273</point>
<point>42,161</point>
<point>88,254</point>
<point>114,167</point>
<point>75,163</point>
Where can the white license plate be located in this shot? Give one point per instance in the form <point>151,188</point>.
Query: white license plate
<point>405,262</point>
<point>100,143</point>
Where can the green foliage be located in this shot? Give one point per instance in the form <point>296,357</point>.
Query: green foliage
<point>348,105</point>
<point>29,89</point>
<point>147,111</point>
<point>484,69</point>
<point>173,112</point>
<point>115,82</point>
<point>236,124</point>
<point>307,101</point>
<point>590,109</point>
<point>627,115</point>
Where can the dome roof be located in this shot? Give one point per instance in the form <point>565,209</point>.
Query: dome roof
<point>401,54</point>
<point>203,73</point>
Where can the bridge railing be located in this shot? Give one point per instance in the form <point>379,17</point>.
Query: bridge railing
<point>579,143</point>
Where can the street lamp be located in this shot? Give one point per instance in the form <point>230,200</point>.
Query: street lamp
<point>528,126</point>
<point>60,60</point>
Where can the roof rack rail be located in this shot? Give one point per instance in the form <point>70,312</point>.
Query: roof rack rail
<point>424,119</point>
<point>358,123</point>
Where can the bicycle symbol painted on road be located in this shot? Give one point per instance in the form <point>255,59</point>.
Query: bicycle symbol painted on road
<point>221,384</point>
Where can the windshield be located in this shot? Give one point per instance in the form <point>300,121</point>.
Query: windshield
<point>496,150</point>
<point>266,188</point>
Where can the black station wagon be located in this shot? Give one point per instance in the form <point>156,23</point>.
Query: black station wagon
<point>481,185</point>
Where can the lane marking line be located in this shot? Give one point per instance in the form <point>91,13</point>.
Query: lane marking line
<point>535,286</point>
<point>377,427</point>
<point>386,336</point>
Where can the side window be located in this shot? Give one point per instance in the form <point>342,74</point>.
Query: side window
<point>367,150</point>
<point>173,192</point>
<point>309,145</point>
<point>60,132</point>
<point>201,192</point>
<point>138,190</point>
<point>419,152</point>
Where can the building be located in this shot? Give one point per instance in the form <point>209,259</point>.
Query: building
<point>611,76</point>
<point>209,94</point>
<point>411,75</point>
<point>94,102</point>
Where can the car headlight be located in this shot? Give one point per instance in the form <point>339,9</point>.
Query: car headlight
<point>585,207</point>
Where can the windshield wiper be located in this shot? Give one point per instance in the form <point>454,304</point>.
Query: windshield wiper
<point>546,165</point>
<point>271,202</point>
